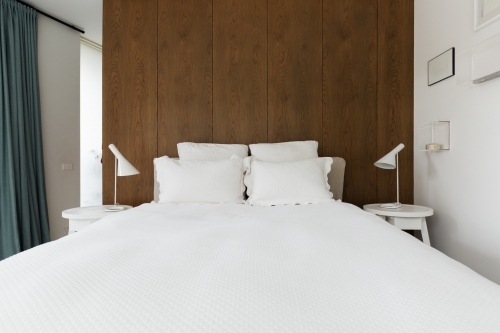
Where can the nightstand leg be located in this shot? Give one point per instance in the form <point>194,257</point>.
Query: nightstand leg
<point>425,233</point>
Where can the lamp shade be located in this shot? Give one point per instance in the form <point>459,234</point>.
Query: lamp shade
<point>389,160</point>
<point>124,166</point>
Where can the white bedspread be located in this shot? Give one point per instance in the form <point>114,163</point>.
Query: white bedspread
<point>235,268</point>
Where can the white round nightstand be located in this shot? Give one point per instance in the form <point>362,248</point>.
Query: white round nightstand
<point>408,217</point>
<point>82,217</point>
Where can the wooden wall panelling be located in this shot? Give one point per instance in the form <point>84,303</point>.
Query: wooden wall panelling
<point>184,73</point>
<point>129,96</point>
<point>395,96</point>
<point>336,71</point>
<point>295,70</point>
<point>350,93</point>
<point>240,71</point>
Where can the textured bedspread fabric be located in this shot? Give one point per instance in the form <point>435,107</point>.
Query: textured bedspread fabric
<point>235,268</point>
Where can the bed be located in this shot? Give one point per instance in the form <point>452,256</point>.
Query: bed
<point>327,267</point>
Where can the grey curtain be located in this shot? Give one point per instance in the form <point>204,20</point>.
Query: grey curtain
<point>23,207</point>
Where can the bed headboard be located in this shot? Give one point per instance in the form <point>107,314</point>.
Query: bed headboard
<point>335,179</point>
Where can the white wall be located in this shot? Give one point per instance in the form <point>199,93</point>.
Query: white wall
<point>59,72</point>
<point>462,185</point>
<point>90,126</point>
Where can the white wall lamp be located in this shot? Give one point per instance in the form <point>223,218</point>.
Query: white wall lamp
<point>391,161</point>
<point>122,168</point>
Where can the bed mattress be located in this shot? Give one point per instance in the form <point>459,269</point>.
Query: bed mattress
<point>235,268</point>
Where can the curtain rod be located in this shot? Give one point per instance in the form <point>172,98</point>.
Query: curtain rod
<point>52,17</point>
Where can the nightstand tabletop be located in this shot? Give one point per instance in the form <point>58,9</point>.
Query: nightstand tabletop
<point>404,211</point>
<point>88,213</point>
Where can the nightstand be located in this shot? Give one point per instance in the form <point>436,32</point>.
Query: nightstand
<point>408,217</point>
<point>82,217</point>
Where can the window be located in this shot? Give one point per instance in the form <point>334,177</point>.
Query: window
<point>90,123</point>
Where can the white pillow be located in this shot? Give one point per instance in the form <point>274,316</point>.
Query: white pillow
<point>210,151</point>
<point>288,183</point>
<point>200,181</point>
<point>285,151</point>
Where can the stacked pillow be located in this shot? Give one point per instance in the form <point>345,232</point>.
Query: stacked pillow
<point>285,151</point>
<point>286,173</point>
<point>210,151</point>
<point>204,173</point>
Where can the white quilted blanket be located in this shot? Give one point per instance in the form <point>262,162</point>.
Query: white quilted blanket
<point>235,268</point>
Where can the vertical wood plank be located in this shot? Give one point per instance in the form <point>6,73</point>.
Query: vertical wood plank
<point>350,93</point>
<point>295,70</point>
<point>184,73</point>
<point>395,96</point>
<point>129,96</point>
<point>240,71</point>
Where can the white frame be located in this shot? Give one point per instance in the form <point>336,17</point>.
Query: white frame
<point>482,21</point>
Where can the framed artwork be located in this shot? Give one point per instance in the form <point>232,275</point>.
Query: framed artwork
<point>441,67</point>
<point>487,12</point>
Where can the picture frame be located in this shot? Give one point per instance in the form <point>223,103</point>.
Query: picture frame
<point>441,67</point>
<point>486,12</point>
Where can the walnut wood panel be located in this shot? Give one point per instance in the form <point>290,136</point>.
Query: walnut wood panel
<point>129,96</point>
<point>240,71</point>
<point>395,96</point>
<point>336,71</point>
<point>350,93</point>
<point>295,70</point>
<point>184,73</point>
